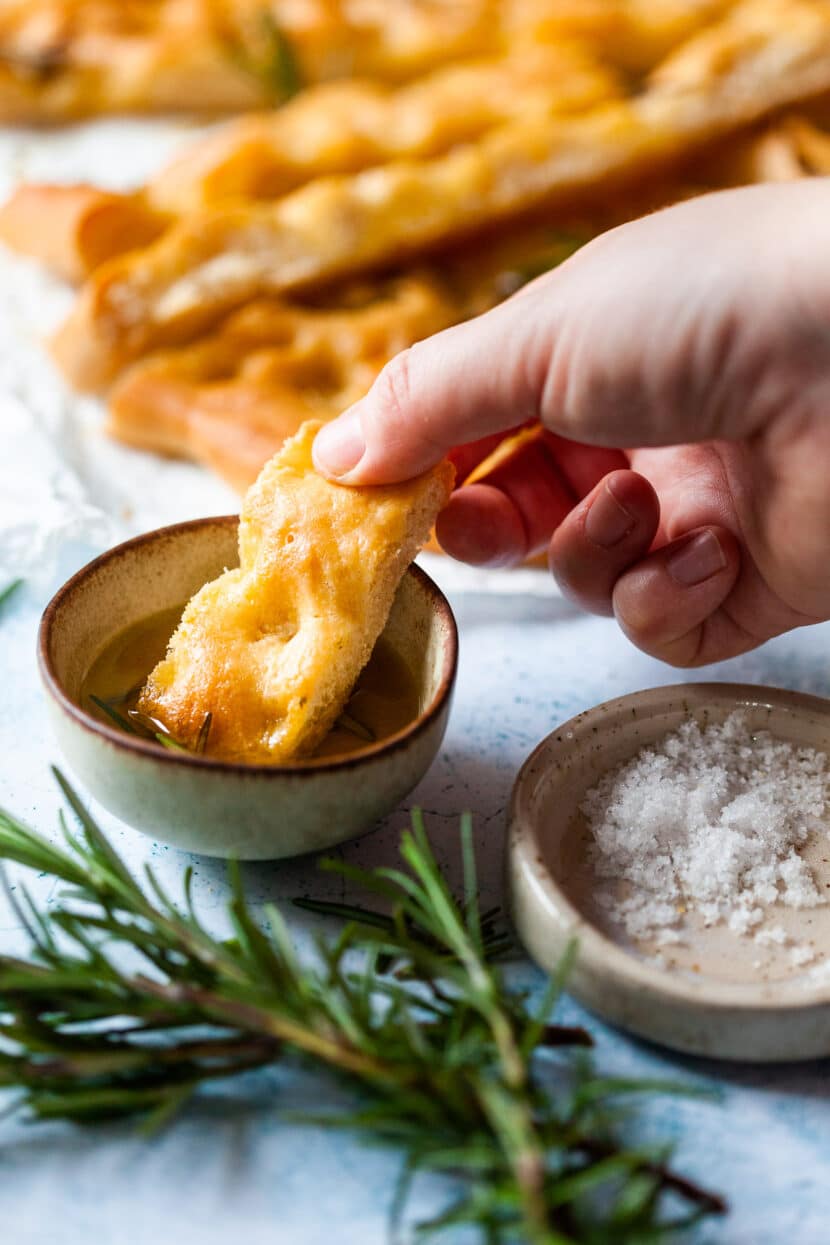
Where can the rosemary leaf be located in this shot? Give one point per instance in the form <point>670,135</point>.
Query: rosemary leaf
<point>144,724</point>
<point>351,724</point>
<point>204,733</point>
<point>9,591</point>
<point>278,66</point>
<point>265,53</point>
<point>167,741</point>
<point>124,724</point>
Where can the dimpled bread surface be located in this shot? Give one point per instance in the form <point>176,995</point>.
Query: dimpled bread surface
<point>272,649</point>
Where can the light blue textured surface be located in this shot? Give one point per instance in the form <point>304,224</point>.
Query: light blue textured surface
<point>231,1169</point>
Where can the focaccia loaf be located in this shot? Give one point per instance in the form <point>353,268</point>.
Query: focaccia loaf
<point>272,649</point>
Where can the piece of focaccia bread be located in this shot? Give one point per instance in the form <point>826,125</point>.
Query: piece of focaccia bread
<point>272,649</point>
<point>339,127</point>
<point>766,56</point>
<point>231,399</point>
<point>61,59</point>
<point>342,127</point>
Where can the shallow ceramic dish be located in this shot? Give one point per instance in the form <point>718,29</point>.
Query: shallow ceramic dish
<point>252,812</point>
<point>715,1002</point>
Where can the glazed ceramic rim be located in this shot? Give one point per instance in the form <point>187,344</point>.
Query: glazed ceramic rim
<point>146,748</point>
<point>598,954</point>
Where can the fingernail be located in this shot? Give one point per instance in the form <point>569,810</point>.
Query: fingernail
<point>696,560</point>
<point>608,522</point>
<point>339,446</point>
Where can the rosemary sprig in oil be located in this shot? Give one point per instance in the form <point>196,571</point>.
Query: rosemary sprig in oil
<point>449,1066</point>
<point>134,722</point>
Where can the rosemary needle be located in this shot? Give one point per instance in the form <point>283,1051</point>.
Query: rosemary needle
<point>355,727</point>
<point>279,67</point>
<point>167,741</point>
<point>124,724</point>
<point>204,733</point>
<point>9,591</point>
<point>266,54</point>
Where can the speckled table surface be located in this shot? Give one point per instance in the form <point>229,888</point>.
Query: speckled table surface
<point>232,1168</point>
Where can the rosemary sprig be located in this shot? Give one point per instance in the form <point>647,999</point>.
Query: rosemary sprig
<point>405,1006</point>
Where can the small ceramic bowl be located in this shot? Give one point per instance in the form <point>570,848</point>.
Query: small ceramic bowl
<point>714,999</point>
<point>252,812</point>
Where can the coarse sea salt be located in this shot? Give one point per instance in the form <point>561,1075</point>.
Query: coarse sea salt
<point>709,821</point>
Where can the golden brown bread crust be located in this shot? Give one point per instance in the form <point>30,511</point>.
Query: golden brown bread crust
<point>230,427</point>
<point>61,59</point>
<point>339,128</point>
<point>67,58</point>
<point>272,650</point>
<point>343,127</point>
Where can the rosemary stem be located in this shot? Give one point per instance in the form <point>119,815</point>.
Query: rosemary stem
<point>236,1054</point>
<point>258,1020</point>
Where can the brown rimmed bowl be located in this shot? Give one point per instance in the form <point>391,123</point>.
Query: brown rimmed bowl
<point>251,812</point>
<point>718,996</point>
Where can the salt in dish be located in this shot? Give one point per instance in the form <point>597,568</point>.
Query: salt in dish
<point>680,836</point>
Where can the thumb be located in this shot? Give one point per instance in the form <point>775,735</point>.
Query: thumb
<point>453,388</point>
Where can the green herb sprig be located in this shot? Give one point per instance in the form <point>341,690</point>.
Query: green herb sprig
<point>449,1066</point>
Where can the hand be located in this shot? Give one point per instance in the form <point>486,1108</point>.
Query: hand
<point>697,339</point>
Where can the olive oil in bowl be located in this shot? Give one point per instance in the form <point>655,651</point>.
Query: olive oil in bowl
<point>384,701</point>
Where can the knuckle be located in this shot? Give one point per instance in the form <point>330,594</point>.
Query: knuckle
<point>401,413</point>
<point>683,651</point>
<point>393,389</point>
<point>683,654</point>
